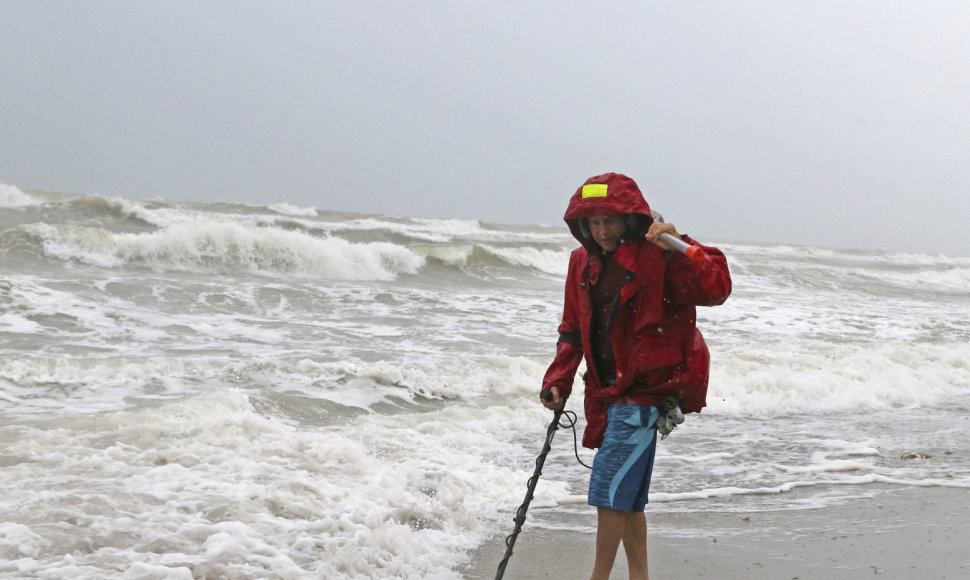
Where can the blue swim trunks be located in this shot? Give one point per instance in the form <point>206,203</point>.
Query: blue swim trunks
<point>623,465</point>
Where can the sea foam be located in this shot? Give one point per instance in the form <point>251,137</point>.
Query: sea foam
<point>12,197</point>
<point>228,247</point>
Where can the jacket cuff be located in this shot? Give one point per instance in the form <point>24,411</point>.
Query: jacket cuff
<point>571,337</point>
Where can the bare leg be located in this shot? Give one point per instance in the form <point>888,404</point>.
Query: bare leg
<point>609,532</point>
<point>635,546</point>
<point>612,527</point>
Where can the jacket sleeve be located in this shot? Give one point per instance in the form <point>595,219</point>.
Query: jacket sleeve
<point>569,348</point>
<point>706,282</point>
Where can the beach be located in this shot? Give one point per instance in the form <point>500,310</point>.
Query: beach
<point>904,533</point>
<point>201,390</point>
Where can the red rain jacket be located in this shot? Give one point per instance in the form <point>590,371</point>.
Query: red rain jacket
<point>655,323</point>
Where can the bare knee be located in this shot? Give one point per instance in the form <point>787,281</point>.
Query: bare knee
<point>635,525</point>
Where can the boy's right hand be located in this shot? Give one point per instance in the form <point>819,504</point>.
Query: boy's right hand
<point>554,402</point>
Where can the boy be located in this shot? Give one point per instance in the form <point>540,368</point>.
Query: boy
<point>630,312</point>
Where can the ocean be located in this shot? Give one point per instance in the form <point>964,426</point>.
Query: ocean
<point>220,390</point>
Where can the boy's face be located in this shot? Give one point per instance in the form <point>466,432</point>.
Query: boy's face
<point>607,230</point>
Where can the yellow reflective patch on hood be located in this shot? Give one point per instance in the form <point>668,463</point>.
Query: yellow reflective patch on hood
<point>594,190</point>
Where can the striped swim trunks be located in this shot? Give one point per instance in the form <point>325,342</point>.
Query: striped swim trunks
<point>623,465</point>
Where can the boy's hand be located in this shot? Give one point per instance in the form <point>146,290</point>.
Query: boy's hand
<point>657,228</point>
<point>554,402</point>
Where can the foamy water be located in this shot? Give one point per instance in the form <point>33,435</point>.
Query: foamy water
<point>220,390</point>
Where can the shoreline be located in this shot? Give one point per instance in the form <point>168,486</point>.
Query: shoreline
<point>899,533</point>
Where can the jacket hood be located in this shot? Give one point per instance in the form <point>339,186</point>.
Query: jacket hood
<point>610,193</point>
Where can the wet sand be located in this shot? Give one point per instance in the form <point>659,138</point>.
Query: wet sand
<point>900,533</point>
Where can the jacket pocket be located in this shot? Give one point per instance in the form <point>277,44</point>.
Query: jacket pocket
<point>651,353</point>
<point>647,308</point>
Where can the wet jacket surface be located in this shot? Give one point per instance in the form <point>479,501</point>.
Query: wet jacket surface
<point>657,348</point>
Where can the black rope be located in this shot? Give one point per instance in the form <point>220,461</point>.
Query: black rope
<point>571,417</point>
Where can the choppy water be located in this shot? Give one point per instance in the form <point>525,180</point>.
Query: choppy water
<point>222,390</point>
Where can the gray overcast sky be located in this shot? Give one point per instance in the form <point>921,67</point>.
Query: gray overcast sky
<point>837,123</point>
